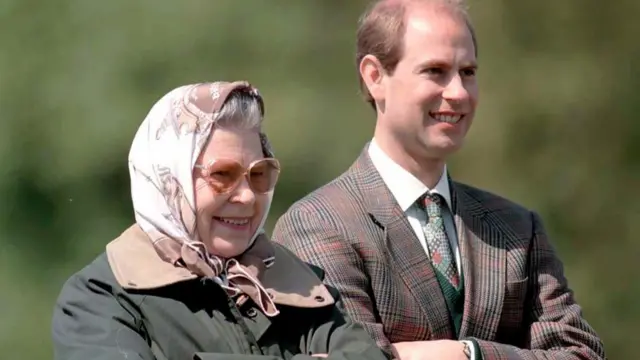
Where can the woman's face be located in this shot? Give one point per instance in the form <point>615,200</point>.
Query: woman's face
<point>228,209</point>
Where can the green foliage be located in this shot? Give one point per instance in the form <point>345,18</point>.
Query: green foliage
<point>554,130</point>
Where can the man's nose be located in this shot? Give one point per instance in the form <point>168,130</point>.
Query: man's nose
<point>455,90</point>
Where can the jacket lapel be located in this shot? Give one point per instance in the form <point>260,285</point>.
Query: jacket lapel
<point>483,264</point>
<point>406,254</point>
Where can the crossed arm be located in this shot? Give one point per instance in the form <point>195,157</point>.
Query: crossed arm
<point>557,329</point>
<point>92,320</point>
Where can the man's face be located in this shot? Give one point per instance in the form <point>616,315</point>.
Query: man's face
<point>431,96</point>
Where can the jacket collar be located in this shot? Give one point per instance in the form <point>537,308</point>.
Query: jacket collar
<point>137,266</point>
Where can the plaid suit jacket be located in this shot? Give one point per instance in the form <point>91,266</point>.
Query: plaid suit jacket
<point>517,301</point>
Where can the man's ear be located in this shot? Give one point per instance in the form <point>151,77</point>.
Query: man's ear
<point>373,76</point>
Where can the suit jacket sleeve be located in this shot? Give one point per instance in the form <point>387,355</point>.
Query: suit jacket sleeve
<point>557,329</point>
<point>317,242</point>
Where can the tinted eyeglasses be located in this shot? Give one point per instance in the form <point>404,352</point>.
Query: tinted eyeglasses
<point>224,175</point>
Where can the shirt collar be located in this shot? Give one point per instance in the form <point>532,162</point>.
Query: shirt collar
<point>405,187</point>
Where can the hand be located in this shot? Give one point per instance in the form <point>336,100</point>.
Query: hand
<point>429,350</point>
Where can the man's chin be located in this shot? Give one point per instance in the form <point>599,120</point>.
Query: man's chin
<point>443,148</point>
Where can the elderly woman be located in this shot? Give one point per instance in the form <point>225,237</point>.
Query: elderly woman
<point>195,277</point>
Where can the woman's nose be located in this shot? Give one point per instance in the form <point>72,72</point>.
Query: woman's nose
<point>243,193</point>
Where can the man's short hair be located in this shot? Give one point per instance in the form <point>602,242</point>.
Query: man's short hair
<point>381,30</point>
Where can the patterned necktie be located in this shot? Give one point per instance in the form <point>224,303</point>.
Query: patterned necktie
<point>437,240</point>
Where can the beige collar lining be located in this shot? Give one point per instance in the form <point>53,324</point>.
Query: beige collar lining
<point>136,265</point>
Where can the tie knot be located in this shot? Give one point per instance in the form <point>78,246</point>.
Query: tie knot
<point>429,197</point>
<point>431,204</point>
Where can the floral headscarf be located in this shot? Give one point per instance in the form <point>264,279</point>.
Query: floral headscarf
<point>161,163</point>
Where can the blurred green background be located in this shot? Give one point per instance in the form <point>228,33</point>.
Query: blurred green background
<point>554,130</point>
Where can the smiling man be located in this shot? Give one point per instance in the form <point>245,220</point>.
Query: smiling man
<point>433,268</point>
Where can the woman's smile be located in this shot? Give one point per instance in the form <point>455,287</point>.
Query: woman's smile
<point>234,223</point>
